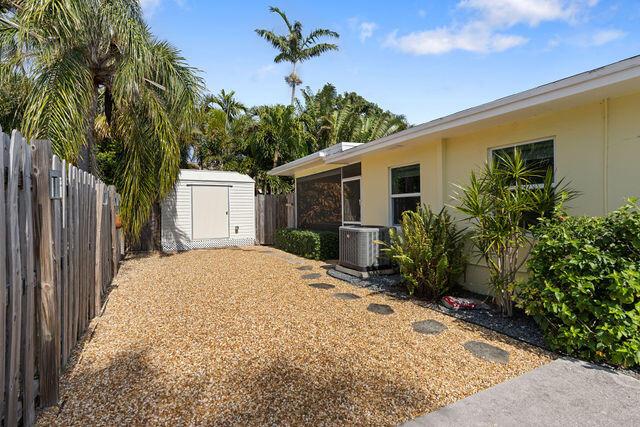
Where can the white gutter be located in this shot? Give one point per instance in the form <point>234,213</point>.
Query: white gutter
<point>317,157</point>
<point>590,80</point>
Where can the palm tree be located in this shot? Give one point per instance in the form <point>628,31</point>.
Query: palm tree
<point>295,48</point>
<point>89,58</point>
<point>227,103</point>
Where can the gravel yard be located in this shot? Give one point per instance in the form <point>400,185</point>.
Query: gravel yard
<point>239,337</point>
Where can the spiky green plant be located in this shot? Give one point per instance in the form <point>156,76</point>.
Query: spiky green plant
<point>87,57</point>
<point>501,204</point>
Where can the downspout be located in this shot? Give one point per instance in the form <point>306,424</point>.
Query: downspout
<point>605,157</point>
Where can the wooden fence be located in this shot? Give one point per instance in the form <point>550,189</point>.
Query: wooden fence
<point>59,251</point>
<point>273,211</point>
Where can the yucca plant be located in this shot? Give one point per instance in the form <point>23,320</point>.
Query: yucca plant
<point>502,204</point>
<point>428,251</point>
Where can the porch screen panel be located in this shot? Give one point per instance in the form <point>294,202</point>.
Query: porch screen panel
<point>318,201</point>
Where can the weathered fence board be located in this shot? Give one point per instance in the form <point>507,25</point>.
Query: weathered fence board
<point>4,142</point>
<point>12,388</point>
<point>47,307</point>
<point>28,297</point>
<point>59,251</point>
<point>273,211</point>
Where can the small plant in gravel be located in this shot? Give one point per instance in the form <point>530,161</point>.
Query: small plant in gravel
<point>584,289</point>
<point>428,250</point>
<point>502,203</point>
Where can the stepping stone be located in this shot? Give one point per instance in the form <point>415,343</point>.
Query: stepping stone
<point>312,276</point>
<point>428,327</point>
<point>346,296</point>
<point>380,309</point>
<point>321,285</point>
<point>487,352</point>
<point>305,268</point>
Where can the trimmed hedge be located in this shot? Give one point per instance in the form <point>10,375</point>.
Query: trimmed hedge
<point>307,243</point>
<point>584,289</point>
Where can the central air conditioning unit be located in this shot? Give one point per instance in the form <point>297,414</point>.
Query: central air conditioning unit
<point>359,254</point>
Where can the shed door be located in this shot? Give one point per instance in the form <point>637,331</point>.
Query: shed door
<point>209,212</point>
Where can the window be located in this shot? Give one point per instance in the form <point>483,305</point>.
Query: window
<point>405,191</point>
<point>537,154</point>
<point>351,200</point>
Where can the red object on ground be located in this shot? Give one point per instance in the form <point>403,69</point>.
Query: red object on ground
<point>457,303</point>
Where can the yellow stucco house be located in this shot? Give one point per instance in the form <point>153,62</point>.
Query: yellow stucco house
<point>587,126</point>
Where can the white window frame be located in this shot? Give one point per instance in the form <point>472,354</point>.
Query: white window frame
<point>402,195</point>
<point>517,144</point>
<point>342,181</point>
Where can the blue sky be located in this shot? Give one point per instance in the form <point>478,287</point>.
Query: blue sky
<point>421,58</point>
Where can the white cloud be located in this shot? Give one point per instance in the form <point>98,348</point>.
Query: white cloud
<point>149,6</point>
<point>264,71</point>
<point>471,38</point>
<point>366,30</point>
<point>603,37</point>
<point>486,28</point>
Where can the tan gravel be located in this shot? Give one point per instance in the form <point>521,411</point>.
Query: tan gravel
<point>236,337</point>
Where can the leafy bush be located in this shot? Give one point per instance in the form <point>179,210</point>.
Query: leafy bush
<point>307,243</point>
<point>584,288</point>
<point>429,251</point>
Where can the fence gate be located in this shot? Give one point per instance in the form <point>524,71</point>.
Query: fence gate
<point>273,211</point>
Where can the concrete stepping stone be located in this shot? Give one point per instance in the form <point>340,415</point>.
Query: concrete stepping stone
<point>305,268</point>
<point>428,327</point>
<point>346,296</point>
<point>312,276</point>
<point>321,285</point>
<point>487,352</point>
<point>383,309</point>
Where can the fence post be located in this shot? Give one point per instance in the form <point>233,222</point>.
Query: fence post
<point>114,239</point>
<point>28,299</point>
<point>15,281</point>
<point>99,246</point>
<point>48,362</point>
<point>56,224</point>
<point>4,147</point>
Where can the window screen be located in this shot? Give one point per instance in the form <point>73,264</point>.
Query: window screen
<point>318,201</point>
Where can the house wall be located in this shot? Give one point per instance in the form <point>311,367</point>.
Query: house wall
<point>176,217</point>
<point>597,149</point>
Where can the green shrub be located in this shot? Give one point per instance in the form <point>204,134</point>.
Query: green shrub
<point>584,288</point>
<point>429,251</point>
<point>307,243</point>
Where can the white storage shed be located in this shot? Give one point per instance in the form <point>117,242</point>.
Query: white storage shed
<point>209,209</point>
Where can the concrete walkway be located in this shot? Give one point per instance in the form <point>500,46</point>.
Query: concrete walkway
<point>563,393</point>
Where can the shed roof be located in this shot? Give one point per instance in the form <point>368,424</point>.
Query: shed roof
<point>213,176</point>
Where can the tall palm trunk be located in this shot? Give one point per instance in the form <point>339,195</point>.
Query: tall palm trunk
<point>294,79</point>
<point>86,160</point>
